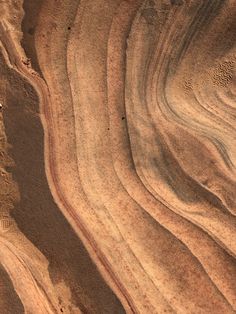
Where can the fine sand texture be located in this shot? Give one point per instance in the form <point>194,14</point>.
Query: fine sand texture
<point>117,156</point>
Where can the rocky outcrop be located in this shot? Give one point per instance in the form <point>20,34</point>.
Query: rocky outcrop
<point>136,101</point>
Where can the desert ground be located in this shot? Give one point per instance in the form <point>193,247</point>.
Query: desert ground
<point>117,156</point>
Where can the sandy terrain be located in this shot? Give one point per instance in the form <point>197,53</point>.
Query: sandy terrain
<point>117,156</point>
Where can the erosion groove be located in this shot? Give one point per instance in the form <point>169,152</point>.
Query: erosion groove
<point>118,156</point>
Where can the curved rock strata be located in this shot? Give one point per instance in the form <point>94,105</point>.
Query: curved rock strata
<point>137,104</point>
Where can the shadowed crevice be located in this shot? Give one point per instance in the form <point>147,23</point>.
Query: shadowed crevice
<point>9,301</point>
<point>29,23</point>
<point>37,215</point>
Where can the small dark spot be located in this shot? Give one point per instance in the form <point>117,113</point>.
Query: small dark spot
<point>61,310</point>
<point>31,30</point>
<point>123,118</point>
<point>9,169</point>
<point>69,28</point>
<point>26,61</point>
<point>151,3</point>
<point>176,2</point>
<point>150,15</point>
<point>108,129</point>
<point>205,182</point>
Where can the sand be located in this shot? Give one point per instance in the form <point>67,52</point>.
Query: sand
<point>117,156</point>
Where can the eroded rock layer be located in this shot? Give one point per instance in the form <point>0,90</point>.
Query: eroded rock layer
<point>118,156</point>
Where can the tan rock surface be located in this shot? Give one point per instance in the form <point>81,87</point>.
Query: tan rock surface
<point>117,156</point>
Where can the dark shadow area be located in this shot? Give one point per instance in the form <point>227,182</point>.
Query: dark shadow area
<point>9,300</point>
<point>37,216</point>
<point>31,9</point>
